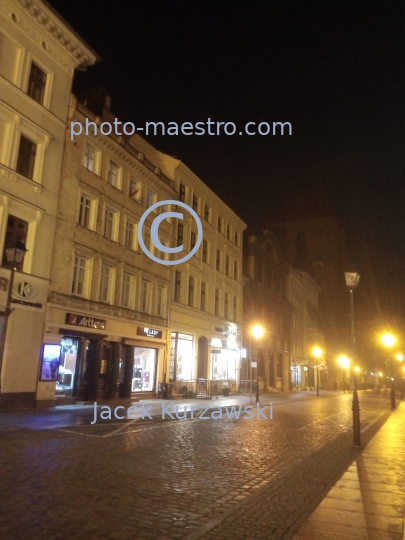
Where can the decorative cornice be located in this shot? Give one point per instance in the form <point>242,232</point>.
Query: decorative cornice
<point>39,23</point>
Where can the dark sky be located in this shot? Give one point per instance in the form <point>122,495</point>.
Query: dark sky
<point>335,70</point>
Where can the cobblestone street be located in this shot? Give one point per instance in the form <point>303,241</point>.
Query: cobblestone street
<point>214,479</point>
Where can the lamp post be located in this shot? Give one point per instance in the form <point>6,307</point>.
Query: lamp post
<point>400,357</point>
<point>352,278</point>
<point>305,377</point>
<point>257,332</point>
<point>389,340</point>
<point>317,352</point>
<point>344,362</point>
<point>15,253</point>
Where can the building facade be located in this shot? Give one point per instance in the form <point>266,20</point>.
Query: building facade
<point>109,303</point>
<point>206,292</point>
<point>38,56</point>
<point>265,303</point>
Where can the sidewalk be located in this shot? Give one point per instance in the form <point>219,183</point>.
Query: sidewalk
<point>368,501</point>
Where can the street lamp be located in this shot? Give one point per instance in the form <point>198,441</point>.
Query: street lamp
<point>305,376</point>
<point>15,253</point>
<point>352,278</point>
<point>317,352</point>
<point>389,340</point>
<point>345,363</point>
<point>257,332</point>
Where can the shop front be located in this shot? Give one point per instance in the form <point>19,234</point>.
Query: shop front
<point>90,358</point>
<point>181,366</point>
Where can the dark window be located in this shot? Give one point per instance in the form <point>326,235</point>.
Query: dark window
<point>235,270</point>
<point>218,260</point>
<point>202,296</point>
<point>179,234</point>
<point>192,240</point>
<point>216,307</point>
<point>207,213</point>
<point>228,232</point>
<point>36,84</point>
<point>226,306</point>
<point>182,193</point>
<point>204,251</point>
<point>16,231</point>
<point>236,238</point>
<point>234,308</point>
<point>227,265</point>
<point>191,292</point>
<point>177,286</point>
<point>26,157</point>
<point>195,203</point>
<point>219,224</point>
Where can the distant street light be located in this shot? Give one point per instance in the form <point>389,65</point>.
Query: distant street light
<point>344,362</point>
<point>257,332</point>
<point>352,278</point>
<point>15,253</point>
<point>389,340</point>
<point>317,352</point>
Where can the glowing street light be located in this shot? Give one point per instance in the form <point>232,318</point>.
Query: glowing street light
<point>344,362</point>
<point>389,340</point>
<point>399,357</point>
<point>317,352</point>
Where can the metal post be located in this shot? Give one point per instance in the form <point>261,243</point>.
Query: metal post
<point>7,312</point>
<point>393,403</point>
<point>355,403</point>
<point>251,374</point>
<point>257,370</point>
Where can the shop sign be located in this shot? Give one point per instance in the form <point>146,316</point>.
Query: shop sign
<point>86,322</point>
<point>216,343</point>
<point>150,332</point>
<point>230,331</point>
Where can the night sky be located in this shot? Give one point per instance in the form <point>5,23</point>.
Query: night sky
<point>335,70</point>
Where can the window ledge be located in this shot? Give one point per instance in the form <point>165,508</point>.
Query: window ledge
<point>10,174</point>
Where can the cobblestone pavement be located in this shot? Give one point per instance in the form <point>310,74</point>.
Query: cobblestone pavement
<point>214,479</point>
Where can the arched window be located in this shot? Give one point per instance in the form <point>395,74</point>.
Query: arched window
<point>300,250</point>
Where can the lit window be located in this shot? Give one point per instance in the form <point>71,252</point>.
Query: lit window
<point>145,295</point>
<point>129,235</point>
<point>85,212</point>
<point>26,157</point>
<point>161,301</point>
<point>79,276</point>
<point>108,223</point>
<point>126,289</point>
<point>36,84</point>
<point>112,174</point>
<point>105,283</point>
<point>89,158</point>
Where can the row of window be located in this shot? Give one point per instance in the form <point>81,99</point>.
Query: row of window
<point>269,278</point>
<point>199,298</point>
<point>226,229</point>
<point>135,293</point>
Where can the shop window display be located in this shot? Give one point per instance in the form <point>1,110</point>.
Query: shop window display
<point>67,367</point>
<point>143,374</point>
<point>181,357</point>
<point>50,362</point>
